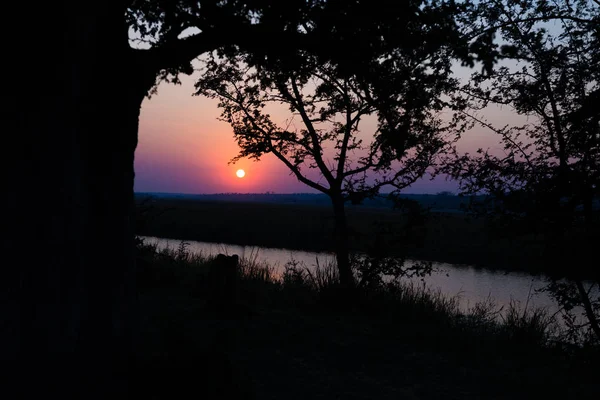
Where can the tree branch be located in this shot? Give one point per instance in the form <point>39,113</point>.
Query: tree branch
<point>556,118</point>
<point>367,164</point>
<point>532,19</point>
<point>268,139</point>
<point>587,306</point>
<point>333,83</point>
<point>179,52</point>
<point>505,136</point>
<point>250,117</point>
<point>347,134</point>
<point>296,171</point>
<point>313,134</point>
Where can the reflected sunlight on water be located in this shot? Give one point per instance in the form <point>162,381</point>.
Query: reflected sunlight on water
<point>471,284</point>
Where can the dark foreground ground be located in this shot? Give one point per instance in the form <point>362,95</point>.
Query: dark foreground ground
<point>278,355</point>
<point>291,341</point>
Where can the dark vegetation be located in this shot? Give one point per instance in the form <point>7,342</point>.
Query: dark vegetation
<point>548,176</point>
<point>292,336</point>
<point>74,324</point>
<point>399,73</point>
<point>412,231</point>
<point>440,202</point>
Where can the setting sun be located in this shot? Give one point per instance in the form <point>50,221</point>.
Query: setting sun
<point>240,173</point>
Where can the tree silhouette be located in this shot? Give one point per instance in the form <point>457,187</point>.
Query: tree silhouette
<point>550,170</point>
<point>397,74</point>
<point>71,130</point>
<point>70,304</point>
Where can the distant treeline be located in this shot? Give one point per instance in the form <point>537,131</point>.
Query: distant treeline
<point>444,201</point>
<point>453,237</point>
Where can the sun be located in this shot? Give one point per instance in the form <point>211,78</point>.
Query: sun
<point>240,173</point>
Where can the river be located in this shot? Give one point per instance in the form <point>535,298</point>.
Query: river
<point>471,284</point>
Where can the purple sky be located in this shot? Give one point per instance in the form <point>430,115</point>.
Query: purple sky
<point>183,148</point>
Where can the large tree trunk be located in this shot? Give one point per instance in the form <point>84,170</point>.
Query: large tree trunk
<point>72,109</point>
<point>342,249</point>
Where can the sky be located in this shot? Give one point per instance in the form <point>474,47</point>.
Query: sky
<point>184,148</point>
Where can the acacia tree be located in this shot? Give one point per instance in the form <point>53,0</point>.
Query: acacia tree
<point>550,74</point>
<point>401,86</point>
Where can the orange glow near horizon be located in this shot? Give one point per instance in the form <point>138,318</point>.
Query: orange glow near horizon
<point>184,148</point>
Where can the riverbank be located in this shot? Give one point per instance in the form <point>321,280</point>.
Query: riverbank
<point>293,339</point>
<point>441,237</point>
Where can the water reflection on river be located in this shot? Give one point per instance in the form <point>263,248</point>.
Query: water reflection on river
<point>471,284</point>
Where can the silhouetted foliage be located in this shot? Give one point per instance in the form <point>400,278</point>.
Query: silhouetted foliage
<point>547,179</point>
<point>224,284</point>
<point>398,73</point>
<point>393,330</point>
<point>76,138</point>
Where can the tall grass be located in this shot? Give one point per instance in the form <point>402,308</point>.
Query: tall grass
<point>316,289</point>
<point>252,268</point>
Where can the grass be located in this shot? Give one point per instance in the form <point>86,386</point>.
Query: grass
<point>315,288</point>
<point>298,336</point>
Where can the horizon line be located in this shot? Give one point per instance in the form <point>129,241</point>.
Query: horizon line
<point>447,193</point>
